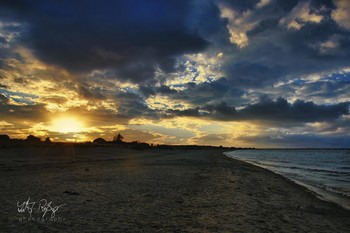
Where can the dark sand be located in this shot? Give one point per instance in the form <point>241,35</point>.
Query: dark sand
<point>119,190</point>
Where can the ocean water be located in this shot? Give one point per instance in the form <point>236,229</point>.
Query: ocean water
<point>326,172</point>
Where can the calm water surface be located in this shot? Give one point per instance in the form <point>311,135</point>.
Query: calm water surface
<point>326,172</point>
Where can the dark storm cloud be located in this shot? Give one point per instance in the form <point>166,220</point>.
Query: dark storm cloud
<point>269,110</point>
<point>131,105</point>
<point>136,36</point>
<point>202,94</point>
<point>247,4</point>
<point>328,89</point>
<point>317,4</point>
<point>2,41</point>
<point>275,52</point>
<point>249,74</point>
<point>241,5</point>
<point>299,111</point>
<point>205,92</point>
<point>340,126</point>
<point>148,90</point>
<point>206,20</point>
<point>91,93</point>
<point>197,94</point>
<point>143,42</point>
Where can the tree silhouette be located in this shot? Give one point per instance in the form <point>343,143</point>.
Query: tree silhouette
<point>118,138</point>
<point>32,138</point>
<point>4,137</point>
<point>47,140</point>
<point>99,140</point>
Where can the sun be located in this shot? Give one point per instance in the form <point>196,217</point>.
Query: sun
<point>67,125</point>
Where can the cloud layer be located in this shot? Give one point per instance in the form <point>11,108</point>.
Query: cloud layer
<point>131,37</point>
<point>141,67</point>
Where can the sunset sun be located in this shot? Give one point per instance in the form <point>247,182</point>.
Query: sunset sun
<point>67,125</point>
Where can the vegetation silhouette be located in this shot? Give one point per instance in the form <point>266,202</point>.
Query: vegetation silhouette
<point>118,138</point>
<point>99,141</point>
<point>32,138</point>
<point>47,140</point>
<point>117,141</point>
<point>4,138</point>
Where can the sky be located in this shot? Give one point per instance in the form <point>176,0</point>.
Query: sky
<point>252,73</point>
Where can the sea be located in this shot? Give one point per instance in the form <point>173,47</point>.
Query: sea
<point>325,172</point>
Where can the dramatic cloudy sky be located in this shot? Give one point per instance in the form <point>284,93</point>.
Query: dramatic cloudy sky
<point>264,73</point>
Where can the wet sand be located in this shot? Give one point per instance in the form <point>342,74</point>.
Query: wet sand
<point>106,189</point>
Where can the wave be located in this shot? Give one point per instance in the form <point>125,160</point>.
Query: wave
<point>296,167</point>
<point>319,173</point>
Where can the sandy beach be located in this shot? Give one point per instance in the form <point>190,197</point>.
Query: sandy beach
<point>106,189</point>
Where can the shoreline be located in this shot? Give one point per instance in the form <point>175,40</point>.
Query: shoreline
<point>122,190</point>
<point>319,193</point>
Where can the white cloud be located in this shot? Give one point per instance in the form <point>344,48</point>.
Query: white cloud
<point>263,3</point>
<point>9,36</point>
<point>329,46</point>
<point>199,68</point>
<point>342,13</point>
<point>299,16</point>
<point>238,25</point>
